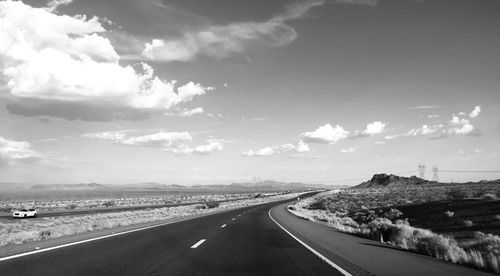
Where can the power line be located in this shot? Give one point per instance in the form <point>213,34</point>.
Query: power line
<point>456,171</point>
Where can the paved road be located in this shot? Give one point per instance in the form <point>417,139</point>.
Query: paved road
<point>238,242</point>
<point>113,209</point>
<point>361,256</point>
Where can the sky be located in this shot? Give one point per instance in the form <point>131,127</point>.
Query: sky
<point>215,92</point>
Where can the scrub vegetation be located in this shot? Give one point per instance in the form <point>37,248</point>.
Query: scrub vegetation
<point>459,223</point>
<point>23,231</point>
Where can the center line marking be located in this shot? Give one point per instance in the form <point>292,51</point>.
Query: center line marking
<point>224,225</point>
<point>198,243</point>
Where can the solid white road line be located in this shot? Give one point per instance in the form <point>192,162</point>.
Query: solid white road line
<point>332,264</point>
<point>198,243</point>
<point>222,226</point>
<point>83,241</point>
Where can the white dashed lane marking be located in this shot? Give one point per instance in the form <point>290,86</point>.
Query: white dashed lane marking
<point>198,243</point>
<point>222,226</point>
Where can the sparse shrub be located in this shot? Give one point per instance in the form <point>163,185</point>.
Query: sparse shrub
<point>109,203</point>
<point>393,214</point>
<point>212,204</point>
<point>456,193</point>
<point>72,206</point>
<point>44,234</point>
<point>468,223</point>
<point>201,206</point>
<point>320,204</point>
<point>449,214</point>
<point>488,196</point>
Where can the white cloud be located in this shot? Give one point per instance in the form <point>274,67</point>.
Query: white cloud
<point>424,107</point>
<point>349,150</point>
<point>53,62</point>
<point>212,145</point>
<point>466,129</point>
<point>172,142</point>
<point>424,130</point>
<point>325,134</point>
<point>301,148</point>
<point>457,121</point>
<point>224,40</point>
<point>474,113</point>
<point>432,116</point>
<point>390,137</point>
<point>16,152</point>
<point>160,139</point>
<point>373,128</point>
<point>54,4</point>
<point>186,112</point>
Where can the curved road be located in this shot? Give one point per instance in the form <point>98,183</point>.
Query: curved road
<point>245,241</point>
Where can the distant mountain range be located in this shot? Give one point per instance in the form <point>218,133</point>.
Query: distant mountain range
<point>263,186</point>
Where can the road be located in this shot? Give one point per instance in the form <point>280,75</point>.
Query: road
<point>114,209</point>
<point>239,242</point>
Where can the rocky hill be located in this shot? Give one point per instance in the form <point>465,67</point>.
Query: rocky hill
<point>390,180</point>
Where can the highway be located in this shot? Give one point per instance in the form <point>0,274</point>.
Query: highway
<point>44,214</point>
<point>244,241</point>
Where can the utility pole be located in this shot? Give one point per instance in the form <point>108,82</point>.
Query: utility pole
<point>435,176</point>
<point>421,170</point>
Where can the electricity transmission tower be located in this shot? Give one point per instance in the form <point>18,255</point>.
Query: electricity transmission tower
<point>421,170</point>
<point>435,176</point>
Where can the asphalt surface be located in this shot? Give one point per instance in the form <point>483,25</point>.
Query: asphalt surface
<point>239,242</point>
<point>361,256</point>
<point>251,244</point>
<point>112,209</point>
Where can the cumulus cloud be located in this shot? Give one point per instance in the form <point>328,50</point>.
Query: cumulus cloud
<point>300,148</point>
<point>371,129</point>
<point>325,135</point>
<point>16,153</point>
<point>424,130</point>
<point>474,113</point>
<point>49,61</point>
<point>54,4</point>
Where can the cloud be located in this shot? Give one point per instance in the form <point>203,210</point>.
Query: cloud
<point>349,150</point>
<point>474,113</point>
<point>390,137</point>
<point>172,142</point>
<point>186,112</point>
<point>160,139</point>
<point>212,146</point>
<point>49,61</point>
<point>221,41</point>
<point>372,129</point>
<point>16,153</point>
<point>325,135</point>
<point>433,116</point>
<point>424,107</point>
<point>300,148</point>
<point>54,4</point>
<point>424,130</point>
<point>358,2</point>
<point>456,121</point>
<point>464,129</point>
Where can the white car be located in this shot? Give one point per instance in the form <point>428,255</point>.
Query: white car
<point>25,213</point>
